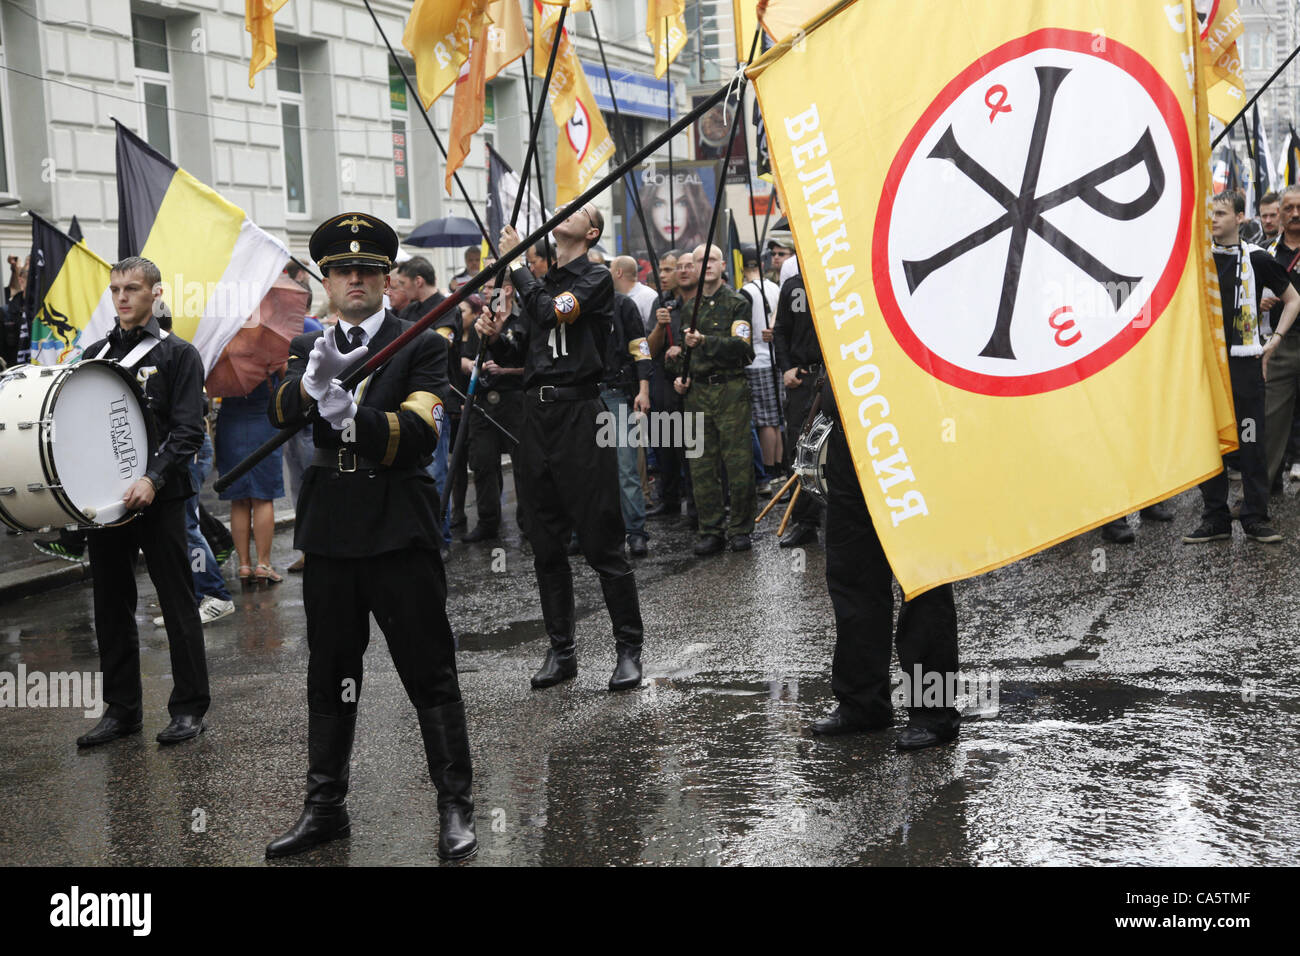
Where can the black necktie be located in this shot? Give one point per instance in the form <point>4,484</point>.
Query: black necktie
<point>353,339</point>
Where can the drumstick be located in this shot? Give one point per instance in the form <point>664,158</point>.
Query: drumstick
<point>780,532</point>
<point>775,498</point>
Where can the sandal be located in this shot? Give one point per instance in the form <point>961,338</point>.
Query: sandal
<point>246,575</point>
<point>268,575</point>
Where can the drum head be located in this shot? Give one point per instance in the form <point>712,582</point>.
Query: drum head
<point>100,441</point>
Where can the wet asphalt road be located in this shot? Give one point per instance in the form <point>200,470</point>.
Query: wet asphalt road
<point>1149,714</point>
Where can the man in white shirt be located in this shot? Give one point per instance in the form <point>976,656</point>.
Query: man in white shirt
<point>623,269</point>
<point>764,387</point>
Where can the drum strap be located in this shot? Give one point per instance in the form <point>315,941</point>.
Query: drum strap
<point>137,354</point>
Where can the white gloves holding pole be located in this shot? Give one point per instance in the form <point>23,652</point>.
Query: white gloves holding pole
<point>320,381</point>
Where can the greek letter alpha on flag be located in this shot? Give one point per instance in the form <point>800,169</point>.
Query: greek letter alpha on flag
<point>1005,246</point>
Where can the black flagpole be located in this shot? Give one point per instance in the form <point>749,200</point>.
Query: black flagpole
<point>713,222</point>
<point>762,292</point>
<point>415,93</point>
<point>537,160</point>
<point>717,199</point>
<point>478,281</point>
<point>622,146</point>
<point>1258,93</point>
<point>460,446</point>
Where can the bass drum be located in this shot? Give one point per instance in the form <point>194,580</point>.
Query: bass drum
<point>73,439</point>
<point>810,457</point>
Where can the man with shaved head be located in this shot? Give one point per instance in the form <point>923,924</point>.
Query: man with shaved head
<point>720,348</point>
<point>624,271</point>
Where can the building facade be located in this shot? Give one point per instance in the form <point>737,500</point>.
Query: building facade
<point>328,127</point>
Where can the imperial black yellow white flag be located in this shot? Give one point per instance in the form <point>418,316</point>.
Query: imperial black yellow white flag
<point>1005,246</point>
<point>216,264</point>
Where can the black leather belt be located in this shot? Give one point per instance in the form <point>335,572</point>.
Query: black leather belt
<point>717,378</point>
<point>563,393</point>
<point>342,459</point>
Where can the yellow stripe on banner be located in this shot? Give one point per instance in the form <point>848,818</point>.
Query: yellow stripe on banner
<point>192,260</point>
<point>394,436</point>
<point>76,291</point>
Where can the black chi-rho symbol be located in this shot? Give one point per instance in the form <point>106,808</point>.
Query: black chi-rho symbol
<point>1024,212</point>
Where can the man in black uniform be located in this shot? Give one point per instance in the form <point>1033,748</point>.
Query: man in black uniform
<point>626,391</point>
<point>799,357</point>
<point>501,395</point>
<point>171,373</point>
<point>368,524</point>
<point>860,582</point>
<point>567,481</point>
<point>665,342</point>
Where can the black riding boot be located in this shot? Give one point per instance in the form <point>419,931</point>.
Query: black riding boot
<point>446,743</point>
<point>557,611</point>
<point>325,813</point>
<point>625,613</point>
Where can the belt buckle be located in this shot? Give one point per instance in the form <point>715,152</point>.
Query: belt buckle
<point>346,455</point>
<point>541,393</point>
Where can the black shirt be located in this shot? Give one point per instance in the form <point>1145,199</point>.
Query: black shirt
<point>508,351</point>
<point>792,329</point>
<point>627,359</point>
<point>415,311</point>
<point>171,375</point>
<point>1269,276</point>
<point>568,316</point>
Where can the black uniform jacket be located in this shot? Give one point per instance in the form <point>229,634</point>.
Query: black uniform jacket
<point>627,358</point>
<point>390,503</point>
<point>569,316</point>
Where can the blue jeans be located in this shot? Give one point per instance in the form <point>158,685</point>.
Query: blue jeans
<point>438,472</point>
<point>631,498</point>
<point>760,472</point>
<point>208,581</point>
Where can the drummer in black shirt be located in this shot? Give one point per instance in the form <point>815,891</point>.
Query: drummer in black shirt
<point>171,374</point>
<point>567,480</point>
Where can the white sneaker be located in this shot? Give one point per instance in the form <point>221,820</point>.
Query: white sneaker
<point>214,609</point>
<point>1295,471</point>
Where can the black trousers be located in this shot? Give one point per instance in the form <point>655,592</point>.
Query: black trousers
<point>798,402</point>
<point>159,531</point>
<point>487,445</point>
<point>674,476</point>
<point>459,480</point>
<point>860,582</point>
<point>406,591</point>
<point>567,483</point>
<point>1248,400</point>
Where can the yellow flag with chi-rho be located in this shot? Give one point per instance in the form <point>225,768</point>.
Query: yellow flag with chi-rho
<point>1005,247</point>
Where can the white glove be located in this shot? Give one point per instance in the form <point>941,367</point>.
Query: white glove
<point>336,406</point>
<point>327,363</point>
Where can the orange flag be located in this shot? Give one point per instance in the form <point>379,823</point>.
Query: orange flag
<point>466,109</point>
<point>259,21</point>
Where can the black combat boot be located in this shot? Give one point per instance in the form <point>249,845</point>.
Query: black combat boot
<point>325,813</point>
<point>625,613</point>
<point>561,662</point>
<point>446,744</point>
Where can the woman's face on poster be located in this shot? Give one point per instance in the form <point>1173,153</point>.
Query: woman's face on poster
<point>670,225</point>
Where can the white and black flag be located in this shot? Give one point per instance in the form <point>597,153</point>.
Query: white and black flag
<point>503,184</point>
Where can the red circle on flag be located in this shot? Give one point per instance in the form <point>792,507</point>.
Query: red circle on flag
<point>1166,104</point>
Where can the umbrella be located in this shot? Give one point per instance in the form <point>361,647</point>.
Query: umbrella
<point>448,231</point>
<point>262,343</point>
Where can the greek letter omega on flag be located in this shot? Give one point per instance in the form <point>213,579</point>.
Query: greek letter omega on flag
<point>1005,247</point>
